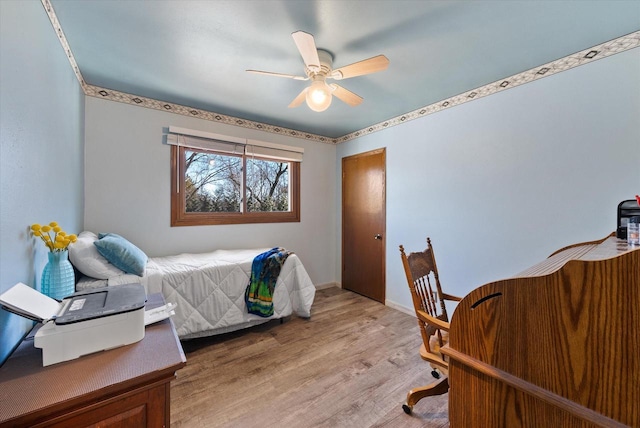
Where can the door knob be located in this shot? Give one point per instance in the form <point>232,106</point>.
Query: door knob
<point>378,236</point>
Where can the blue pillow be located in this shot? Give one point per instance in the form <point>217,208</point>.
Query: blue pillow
<point>121,253</point>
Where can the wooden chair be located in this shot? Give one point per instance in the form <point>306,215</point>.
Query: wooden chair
<point>429,304</point>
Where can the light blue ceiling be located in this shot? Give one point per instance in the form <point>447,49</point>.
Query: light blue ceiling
<point>195,53</point>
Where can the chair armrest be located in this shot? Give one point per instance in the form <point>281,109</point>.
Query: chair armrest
<point>446,296</point>
<point>438,323</point>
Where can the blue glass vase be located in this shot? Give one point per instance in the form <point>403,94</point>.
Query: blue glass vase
<point>58,279</point>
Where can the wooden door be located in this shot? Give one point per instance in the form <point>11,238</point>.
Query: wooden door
<point>363,224</point>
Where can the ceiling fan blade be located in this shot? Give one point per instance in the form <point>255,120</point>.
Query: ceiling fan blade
<point>307,48</point>
<point>367,66</point>
<point>269,73</point>
<point>299,99</point>
<point>345,95</point>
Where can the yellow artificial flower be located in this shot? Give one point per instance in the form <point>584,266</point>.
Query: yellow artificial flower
<point>54,238</point>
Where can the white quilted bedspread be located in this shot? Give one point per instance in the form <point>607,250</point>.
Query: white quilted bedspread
<point>209,290</point>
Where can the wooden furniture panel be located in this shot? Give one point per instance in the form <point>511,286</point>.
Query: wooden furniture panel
<point>363,224</point>
<point>130,410</point>
<point>128,386</point>
<point>557,345</point>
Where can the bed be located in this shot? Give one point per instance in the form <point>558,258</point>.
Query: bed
<point>208,288</point>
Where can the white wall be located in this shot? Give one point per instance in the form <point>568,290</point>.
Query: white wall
<point>41,152</point>
<point>501,182</point>
<point>128,184</point>
<point>498,183</point>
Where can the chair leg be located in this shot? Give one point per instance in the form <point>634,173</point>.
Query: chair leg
<point>439,387</point>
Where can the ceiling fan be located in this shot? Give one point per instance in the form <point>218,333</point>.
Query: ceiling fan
<point>318,68</point>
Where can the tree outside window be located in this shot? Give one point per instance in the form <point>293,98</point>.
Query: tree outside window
<point>217,188</point>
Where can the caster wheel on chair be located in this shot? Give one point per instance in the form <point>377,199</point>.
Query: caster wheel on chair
<point>435,374</point>
<point>407,409</point>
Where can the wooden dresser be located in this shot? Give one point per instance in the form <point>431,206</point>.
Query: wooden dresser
<point>558,345</point>
<point>123,387</point>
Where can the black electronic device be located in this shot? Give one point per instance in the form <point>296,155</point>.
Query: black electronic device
<point>100,302</point>
<point>626,210</point>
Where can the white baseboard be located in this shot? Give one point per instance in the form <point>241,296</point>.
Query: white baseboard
<point>327,285</point>
<point>401,308</point>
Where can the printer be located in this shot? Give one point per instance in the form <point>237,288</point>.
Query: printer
<point>82,323</point>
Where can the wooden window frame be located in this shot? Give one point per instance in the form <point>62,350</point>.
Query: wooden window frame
<point>179,216</point>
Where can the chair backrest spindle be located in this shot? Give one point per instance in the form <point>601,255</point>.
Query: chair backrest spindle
<point>426,292</point>
<point>428,301</point>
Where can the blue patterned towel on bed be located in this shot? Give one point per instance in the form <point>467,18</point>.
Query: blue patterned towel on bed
<point>264,275</point>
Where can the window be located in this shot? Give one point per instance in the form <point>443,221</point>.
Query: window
<point>221,182</point>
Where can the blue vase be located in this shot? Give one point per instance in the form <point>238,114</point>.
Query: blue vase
<point>58,280</point>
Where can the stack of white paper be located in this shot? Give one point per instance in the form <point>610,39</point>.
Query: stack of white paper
<point>29,303</point>
<point>158,314</point>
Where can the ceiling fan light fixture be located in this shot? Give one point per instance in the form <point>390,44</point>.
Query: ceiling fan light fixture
<point>319,96</point>
<point>318,65</point>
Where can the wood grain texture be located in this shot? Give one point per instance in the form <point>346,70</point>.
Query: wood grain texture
<point>363,223</point>
<point>350,365</point>
<point>571,330</point>
<point>126,386</point>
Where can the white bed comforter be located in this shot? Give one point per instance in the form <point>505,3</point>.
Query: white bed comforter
<point>209,290</point>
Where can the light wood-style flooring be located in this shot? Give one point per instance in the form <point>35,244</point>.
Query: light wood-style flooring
<point>350,365</point>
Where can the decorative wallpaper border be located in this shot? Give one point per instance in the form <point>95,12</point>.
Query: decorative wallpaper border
<point>123,97</point>
<point>586,56</point>
<point>63,41</point>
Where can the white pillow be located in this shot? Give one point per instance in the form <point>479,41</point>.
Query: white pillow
<point>86,258</point>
